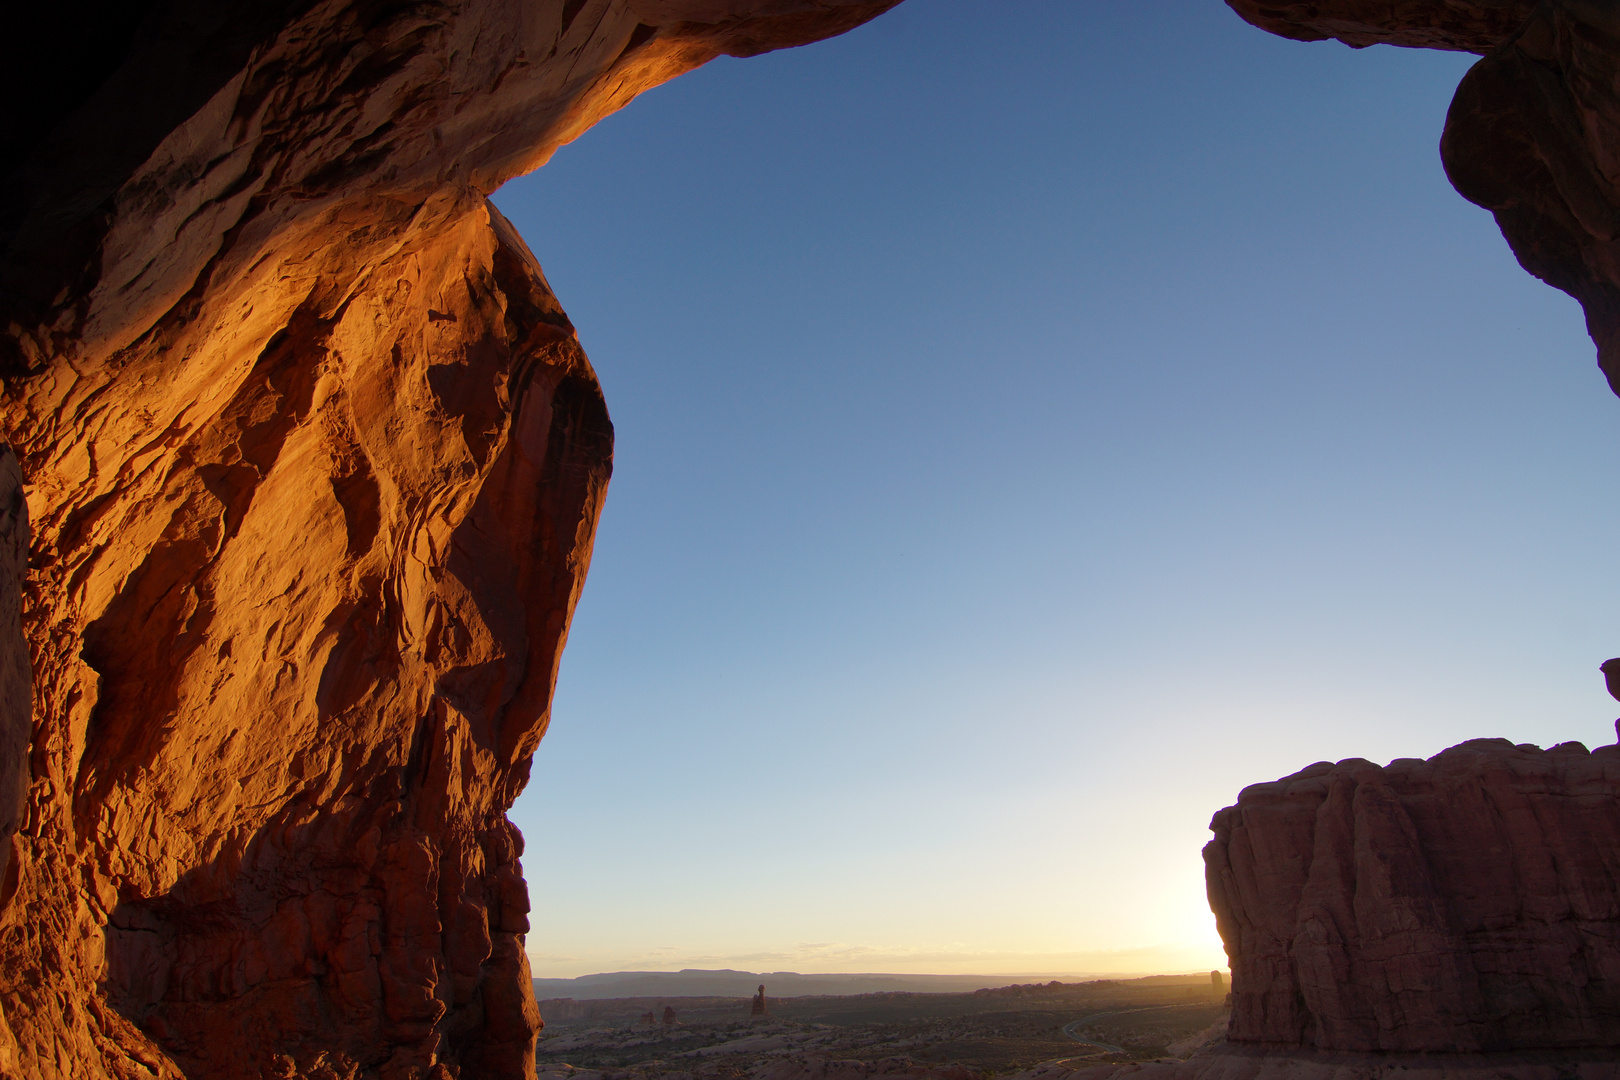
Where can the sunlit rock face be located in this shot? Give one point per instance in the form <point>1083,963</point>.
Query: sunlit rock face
<point>1466,903</point>
<point>314,463</point>
<point>1533,134</point>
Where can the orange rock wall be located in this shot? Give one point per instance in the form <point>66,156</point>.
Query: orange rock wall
<point>314,462</point>
<point>16,678</point>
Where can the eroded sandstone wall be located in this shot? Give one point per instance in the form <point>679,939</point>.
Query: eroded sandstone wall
<point>314,462</point>
<point>1470,902</point>
<point>16,677</point>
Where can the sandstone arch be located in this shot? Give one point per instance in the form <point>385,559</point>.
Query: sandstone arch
<point>314,462</point>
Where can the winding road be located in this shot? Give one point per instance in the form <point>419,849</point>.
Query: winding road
<point>1101,1048</point>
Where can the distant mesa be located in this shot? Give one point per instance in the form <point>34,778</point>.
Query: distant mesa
<point>697,982</point>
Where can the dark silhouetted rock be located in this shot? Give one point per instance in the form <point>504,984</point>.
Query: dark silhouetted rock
<point>16,685</point>
<point>1611,676</point>
<point>1462,25</point>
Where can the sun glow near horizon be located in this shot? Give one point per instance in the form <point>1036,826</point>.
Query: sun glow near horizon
<point>1197,947</point>
<point>1001,487</point>
<point>1118,963</point>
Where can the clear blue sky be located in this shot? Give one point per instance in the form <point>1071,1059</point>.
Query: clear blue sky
<point>1036,422</point>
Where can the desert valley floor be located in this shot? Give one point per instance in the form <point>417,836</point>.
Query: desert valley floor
<point>984,1033</point>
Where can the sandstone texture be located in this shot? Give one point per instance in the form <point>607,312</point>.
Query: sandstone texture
<point>1466,903</point>
<point>313,465</point>
<point>16,680</point>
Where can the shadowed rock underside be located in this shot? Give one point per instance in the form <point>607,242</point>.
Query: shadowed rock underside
<point>1533,134</point>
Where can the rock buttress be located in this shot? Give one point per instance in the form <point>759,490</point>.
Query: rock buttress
<point>314,463</point>
<point>1470,902</point>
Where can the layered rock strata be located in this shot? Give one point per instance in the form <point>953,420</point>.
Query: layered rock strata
<point>1470,902</point>
<point>314,461</point>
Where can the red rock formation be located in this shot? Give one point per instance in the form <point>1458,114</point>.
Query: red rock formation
<point>1470,902</point>
<point>314,464</point>
<point>1532,137</point>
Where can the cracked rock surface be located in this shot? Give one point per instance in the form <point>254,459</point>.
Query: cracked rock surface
<point>314,463</point>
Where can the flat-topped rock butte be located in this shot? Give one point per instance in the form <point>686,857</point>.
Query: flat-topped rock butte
<point>313,461</point>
